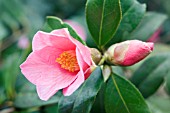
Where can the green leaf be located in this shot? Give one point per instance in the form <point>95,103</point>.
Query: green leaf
<point>149,24</point>
<point>16,14</point>
<point>160,48</point>
<point>159,104</point>
<point>167,81</point>
<point>56,23</point>
<point>103,18</point>
<point>10,21</point>
<point>9,77</point>
<point>4,32</point>
<point>88,92</point>
<point>66,104</point>
<point>2,96</point>
<point>118,70</point>
<point>51,108</point>
<point>98,106</point>
<point>121,96</point>
<point>27,97</point>
<point>82,100</point>
<point>132,14</point>
<point>150,75</point>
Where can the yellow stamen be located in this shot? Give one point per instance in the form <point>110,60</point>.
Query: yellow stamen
<point>68,61</point>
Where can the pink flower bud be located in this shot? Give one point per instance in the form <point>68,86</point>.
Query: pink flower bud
<point>129,52</point>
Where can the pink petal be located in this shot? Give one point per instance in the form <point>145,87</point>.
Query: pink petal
<point>84,51</point>
<point>45,92</point>
<point>137,51</point>
<point>80,79</point>
<point>151,45</point>
<point>82,64</point>
<point>61,32</point>
<point>40,68</point>
<point>43,39</point>
<point>87,73</point>
<point>75,85</point>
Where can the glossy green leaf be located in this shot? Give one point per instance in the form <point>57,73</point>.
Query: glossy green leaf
<point>150,75</point>
<point>121,96</point>
<point>27,97</point>
<point>82,100</point>
<point>87,94</point>
<point>132,14</point>
<point>56,23</point>
<point>98,106</point>
<point>66,104</point>
<point>149,24</point>
<point>103,18</point>
<point>51,108</point>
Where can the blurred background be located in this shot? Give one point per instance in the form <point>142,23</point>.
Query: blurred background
<point>21,19</point>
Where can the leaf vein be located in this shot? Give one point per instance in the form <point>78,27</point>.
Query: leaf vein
<point>101,23</point>
<point>117,88</point>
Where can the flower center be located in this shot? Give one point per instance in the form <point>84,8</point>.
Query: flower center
<point>68,61</point>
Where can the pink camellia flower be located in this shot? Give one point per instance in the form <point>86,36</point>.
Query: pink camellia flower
<point>128,52</point>
<point>58,61</point>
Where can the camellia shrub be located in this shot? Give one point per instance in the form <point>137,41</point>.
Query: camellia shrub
<point>68,76</point>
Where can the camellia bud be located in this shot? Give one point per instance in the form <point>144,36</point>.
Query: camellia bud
<point>96,55</point>
<point>128,52</point>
